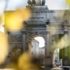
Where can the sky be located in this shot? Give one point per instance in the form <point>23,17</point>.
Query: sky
<point>51,4</point>
<point>12,4</point>
<point>57,4</point>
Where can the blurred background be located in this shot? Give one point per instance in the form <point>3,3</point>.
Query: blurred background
<point>38,36</point>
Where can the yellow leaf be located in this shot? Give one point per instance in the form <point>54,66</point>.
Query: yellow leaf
<point>14,19</point>
<point>68,2</point>
<point>4,49</point>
